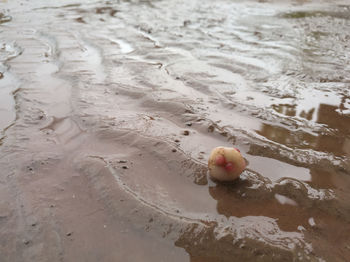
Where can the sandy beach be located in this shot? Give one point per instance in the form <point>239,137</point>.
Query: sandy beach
<point>109,111</point>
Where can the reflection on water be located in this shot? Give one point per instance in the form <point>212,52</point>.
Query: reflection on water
<point>231,203</point>
<point>287,137</point>
<point>335,142</point>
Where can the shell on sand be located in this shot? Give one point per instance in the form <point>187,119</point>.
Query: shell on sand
<point>226,163</point>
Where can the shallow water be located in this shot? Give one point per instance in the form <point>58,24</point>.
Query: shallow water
<point>109,110</point>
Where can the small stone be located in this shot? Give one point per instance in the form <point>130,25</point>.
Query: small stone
<point>189,124</point>
<point>124,167</point>
<point>122,161</point>
<point>186,133</point>
<point>177,140</point>
<point>26,241</point>
<point>174,150</point>
<point>69,234</point>
<point>34,224</point>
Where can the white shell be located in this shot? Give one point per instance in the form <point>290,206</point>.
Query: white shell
<point>232,156</point>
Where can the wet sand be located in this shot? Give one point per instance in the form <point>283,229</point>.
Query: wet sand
<point>109,111</point>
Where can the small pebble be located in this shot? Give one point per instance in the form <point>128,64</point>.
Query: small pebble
<point>69,234</point>
<point>26,242</point>
<point>124,167</point>
<point>122,161</point>
<point>186,133</point>
<point>189,124</point>
<point>211,129</point>
<point>177,140</point>
<point>174,150</point>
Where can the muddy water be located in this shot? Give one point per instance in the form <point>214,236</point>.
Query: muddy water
<point>109,110</point>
